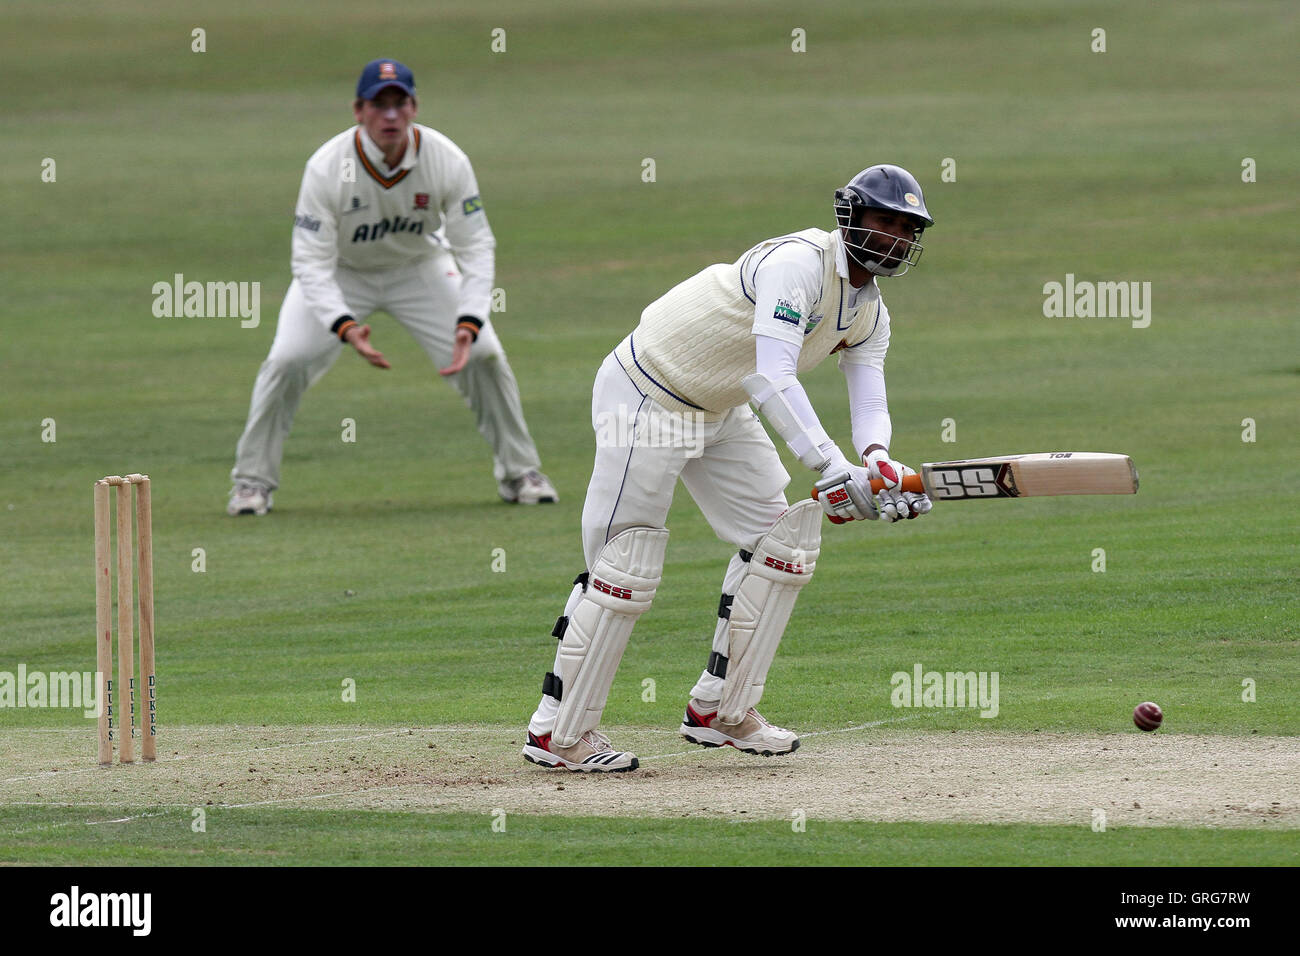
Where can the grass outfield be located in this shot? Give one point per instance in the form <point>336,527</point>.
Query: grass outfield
<point>260,837</point>
<point>377,564</point>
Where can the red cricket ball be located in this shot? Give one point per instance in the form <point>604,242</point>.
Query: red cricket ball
<point>1147,716</point>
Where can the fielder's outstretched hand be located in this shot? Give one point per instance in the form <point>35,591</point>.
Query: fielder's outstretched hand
<point>459,352</point>
<point>359,338</point>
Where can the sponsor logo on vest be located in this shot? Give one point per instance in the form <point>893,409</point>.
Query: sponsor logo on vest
<point>377,230</point>
<point>786,312</point>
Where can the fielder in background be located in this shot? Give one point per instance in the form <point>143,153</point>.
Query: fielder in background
<point>388,217</point>
<point>670,402</point>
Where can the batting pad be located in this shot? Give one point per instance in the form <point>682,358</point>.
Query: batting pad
<point>622,584</point>
<point>783,562</point>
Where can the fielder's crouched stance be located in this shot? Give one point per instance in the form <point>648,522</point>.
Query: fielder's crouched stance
<point>670,402</point>
<point>389,218</point>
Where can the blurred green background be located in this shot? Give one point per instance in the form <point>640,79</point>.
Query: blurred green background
<point>1122,165</point>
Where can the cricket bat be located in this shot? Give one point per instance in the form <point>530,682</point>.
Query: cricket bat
<point>1024,476</point>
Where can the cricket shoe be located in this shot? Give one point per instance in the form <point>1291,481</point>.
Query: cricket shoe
<point>529,488</point>
<point>249,498</point>
<point>753,734</point>
<point>591,754</point>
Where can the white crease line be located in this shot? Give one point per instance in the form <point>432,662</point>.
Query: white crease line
<point>210,756</point>
<point>269,747</point>
<point>348,793</point>
<point>52,773</point>
<point>44,730</point>
<point>407,731</point>
<point>138,816</point>
<point>114,806</point>
<point>313,796</point>
<point>679,753</point>
<point>811,733</point>
<point>867,726</point>
<point>253,750</point>
<point>250,728</point>
<point>520,771</point>
<point>87,823</point>
<point>49,826</point>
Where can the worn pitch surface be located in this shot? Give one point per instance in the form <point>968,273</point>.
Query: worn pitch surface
<point>857,773</point>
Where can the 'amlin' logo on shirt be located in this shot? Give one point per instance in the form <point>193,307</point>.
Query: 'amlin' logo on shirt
<point>374,231</point>
<point>786,312</point>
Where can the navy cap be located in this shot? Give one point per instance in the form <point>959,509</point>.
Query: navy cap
<point>379,74</point>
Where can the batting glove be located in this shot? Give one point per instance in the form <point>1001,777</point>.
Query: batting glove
<point>880,465</point>
<point>845,493</point>
<point>896,505</point>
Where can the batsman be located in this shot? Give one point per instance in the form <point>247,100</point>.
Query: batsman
<point>673,401</point>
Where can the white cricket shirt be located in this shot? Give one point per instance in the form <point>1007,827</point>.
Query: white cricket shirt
<point>355,211</point>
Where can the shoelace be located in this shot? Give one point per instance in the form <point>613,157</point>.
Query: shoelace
<point>598,741</point>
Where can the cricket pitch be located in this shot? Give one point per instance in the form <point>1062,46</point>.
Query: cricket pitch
<point>877,773</point>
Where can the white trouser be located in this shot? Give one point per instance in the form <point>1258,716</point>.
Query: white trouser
<point>729,466</point>
<point>422,296</point>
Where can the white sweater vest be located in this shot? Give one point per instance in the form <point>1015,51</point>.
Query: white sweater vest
<point>696,342</point>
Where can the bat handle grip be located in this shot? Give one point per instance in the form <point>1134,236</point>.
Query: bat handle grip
<point>911,483</point>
